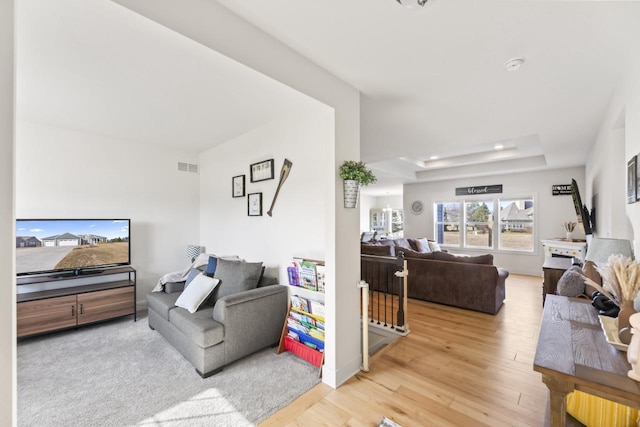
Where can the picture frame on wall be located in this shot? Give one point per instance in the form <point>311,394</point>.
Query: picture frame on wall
<point>237,186</point>
<point>254,204</point>
<point>632,184</point>
<point>637,178</point>
<point>261,171</point>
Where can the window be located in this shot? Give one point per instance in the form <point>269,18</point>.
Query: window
<point>447,217</point>
<point>516,224</point>
<point>479,226</point>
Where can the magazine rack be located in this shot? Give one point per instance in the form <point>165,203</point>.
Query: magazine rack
<point>303,346</point>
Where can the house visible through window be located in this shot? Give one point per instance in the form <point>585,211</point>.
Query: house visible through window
<point>511,229</point>
<point>516,224</point>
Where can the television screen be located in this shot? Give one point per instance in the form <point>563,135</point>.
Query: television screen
<point>582,213</point>
<point>56,245</point>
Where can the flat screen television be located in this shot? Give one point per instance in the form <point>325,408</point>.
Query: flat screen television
<point>71,246</point>
<point>582,213</point>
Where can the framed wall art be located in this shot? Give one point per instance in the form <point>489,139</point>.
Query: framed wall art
<point>261,171</point>
<point>237,186</point>
<point>637,178</point>
<point>254,204</point>
<point>632,173</point>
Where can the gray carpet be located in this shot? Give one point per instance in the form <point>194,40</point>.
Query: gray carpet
<point>121,373</point>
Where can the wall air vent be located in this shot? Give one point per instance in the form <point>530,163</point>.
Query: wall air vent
<point>187,167</point>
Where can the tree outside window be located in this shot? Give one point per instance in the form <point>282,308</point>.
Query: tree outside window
<point>479,224</point>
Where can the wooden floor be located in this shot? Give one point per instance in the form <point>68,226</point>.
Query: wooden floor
<point>456,368</point>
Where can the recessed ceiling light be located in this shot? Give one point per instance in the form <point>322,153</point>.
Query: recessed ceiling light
<point>514,63</point>
<point>433,158</point>
<point>498,146</point>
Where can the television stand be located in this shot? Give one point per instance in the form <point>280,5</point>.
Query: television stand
<point>106,294</point>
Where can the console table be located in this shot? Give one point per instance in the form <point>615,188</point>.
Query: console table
<point>109,294</point>
<point>573,354</point>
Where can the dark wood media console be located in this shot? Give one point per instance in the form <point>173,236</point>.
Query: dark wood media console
<point>75,305</point>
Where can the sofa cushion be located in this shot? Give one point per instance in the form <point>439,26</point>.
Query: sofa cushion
<point>386,242</point>
<point>199,326</point>
<point>403,243</point>
<point>211,266</point>
<point>192,275</point>
<point>380,250</point>
<point>235,276</point>
<point>435,246</point>
<point>422,245</point>
<point>162,303</point>
<point>197,292</point>
<point>415,254</point>
<point>486,259</point>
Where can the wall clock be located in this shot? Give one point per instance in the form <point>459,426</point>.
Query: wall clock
<point>417,207</point>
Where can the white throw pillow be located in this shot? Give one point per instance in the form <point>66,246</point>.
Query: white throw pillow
<point>435,247</point>
<point>197,291</point>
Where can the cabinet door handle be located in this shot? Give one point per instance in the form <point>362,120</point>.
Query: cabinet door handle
<point>81,309</point>
<point>73,311</point>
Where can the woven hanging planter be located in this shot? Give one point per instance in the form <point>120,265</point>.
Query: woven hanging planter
<point>351,193</point>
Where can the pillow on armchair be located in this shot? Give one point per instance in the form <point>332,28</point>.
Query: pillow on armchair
<point>235,276</point>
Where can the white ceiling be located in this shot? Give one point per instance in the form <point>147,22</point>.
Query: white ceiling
<point>432,81</point>
<point>95,66</point>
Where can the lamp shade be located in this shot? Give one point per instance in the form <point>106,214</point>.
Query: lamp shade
<point>412,4</point>
<point>193,251</point>
<point>600,249</point>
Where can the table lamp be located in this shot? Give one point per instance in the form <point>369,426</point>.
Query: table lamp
<point>600,249</point>
<point>193,251</point>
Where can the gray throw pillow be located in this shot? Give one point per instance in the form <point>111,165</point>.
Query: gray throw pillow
<point>235,276</point>
<point>571,283</point>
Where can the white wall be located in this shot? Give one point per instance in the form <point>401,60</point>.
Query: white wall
<point>212,25</point>
<point>7,218</point>
<point>550,211</point>
<point>396,202</point>
<point>298,226</point>
<point>62,173</point>
<point>365,204</point>
<point>617,142</point>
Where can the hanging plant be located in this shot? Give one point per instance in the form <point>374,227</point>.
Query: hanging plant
<point>357,171</point>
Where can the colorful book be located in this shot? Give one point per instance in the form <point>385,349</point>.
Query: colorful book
<point>308,278</point>
<point>316,308</point>
<point>299,303</point>
<point>320,276</point>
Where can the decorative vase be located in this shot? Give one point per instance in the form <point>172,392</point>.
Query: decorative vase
<point>569,235</point>
<point>624,331</point>
<point>351,193</point>
<point>633,352</point>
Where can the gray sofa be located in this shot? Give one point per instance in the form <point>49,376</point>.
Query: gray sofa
<point>234,322</point>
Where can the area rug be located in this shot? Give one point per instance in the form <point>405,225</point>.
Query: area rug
<point>121,373</point>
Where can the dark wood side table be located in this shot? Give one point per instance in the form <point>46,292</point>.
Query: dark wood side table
<point>573,354</point>
<point>553,269</point>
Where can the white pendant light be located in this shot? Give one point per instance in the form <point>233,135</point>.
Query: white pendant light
<point>412,4</point>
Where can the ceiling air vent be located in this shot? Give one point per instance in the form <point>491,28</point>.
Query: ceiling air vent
<point>187,167</point>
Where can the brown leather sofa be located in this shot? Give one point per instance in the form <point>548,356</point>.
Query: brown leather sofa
<point>467,282</point>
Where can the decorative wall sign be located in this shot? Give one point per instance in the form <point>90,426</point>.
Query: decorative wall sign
<point>254,204</point>
<point>284,173</point>
<point>632,173</point>
<point>262,171</point>
<point>481,189</point>
<point>237,186</point>
<point>561,190</point>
